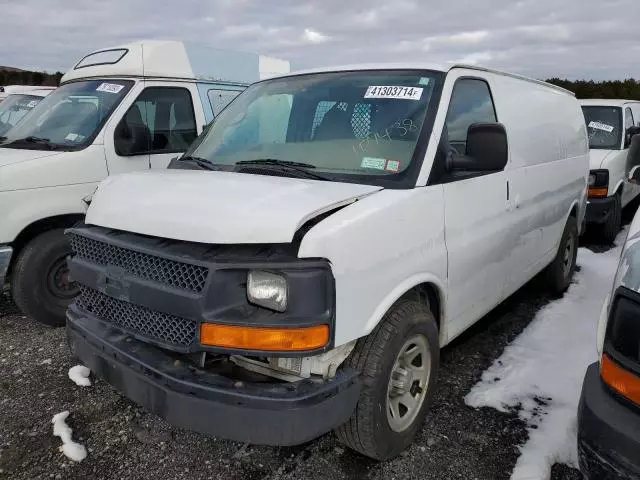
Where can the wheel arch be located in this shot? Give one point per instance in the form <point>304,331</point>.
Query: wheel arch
<point>38,227</point>
<point>426,288</point>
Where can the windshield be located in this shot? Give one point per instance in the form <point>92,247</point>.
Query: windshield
<point>70,117</point>
<point>359,126</point>
<point>604,126</point>
<point>14,107</point>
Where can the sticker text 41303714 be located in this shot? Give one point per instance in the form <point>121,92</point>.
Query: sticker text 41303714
<point>390,91</point>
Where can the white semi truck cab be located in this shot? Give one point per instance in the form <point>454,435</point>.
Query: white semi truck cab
<point>121,109</point>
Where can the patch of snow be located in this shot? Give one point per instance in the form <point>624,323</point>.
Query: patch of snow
<point>80,375</point>
<point>541,372</point>
<point>46,361</point>
<point>71,449</point>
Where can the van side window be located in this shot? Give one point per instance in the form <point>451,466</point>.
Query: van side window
<point>220,99</point>
<point>628,118</point>
<point>161,120</point>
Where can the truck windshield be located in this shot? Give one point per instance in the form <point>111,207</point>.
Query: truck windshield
<point>70,117</point>
<point>604,126</point>
<point>14,107</point>
<point>358,126</point>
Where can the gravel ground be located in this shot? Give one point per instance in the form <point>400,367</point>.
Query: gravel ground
<point>125,442</point>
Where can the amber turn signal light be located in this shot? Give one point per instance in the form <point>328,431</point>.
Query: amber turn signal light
<point>598,192</point>
<point>620,380</point>
<point>264,338</point>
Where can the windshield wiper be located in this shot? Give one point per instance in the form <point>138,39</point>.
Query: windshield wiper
<point>301,169</point>
<point>200,162</point>
<point>45,142</point>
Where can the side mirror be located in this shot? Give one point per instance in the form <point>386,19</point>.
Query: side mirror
<point>631,132</point>
<point>487,149</point>
<point>131,139</point>
<point>633,159</point>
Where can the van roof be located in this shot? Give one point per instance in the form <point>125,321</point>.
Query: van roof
<point>175,59</point>
<point>422,66</point>
<point>607,102</point>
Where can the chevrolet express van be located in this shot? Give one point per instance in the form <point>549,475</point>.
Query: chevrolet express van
<point>611,125</point>
<point>301,266</point>
<point>17,105</point>
<point>126,108</point>
<point>609,410</point>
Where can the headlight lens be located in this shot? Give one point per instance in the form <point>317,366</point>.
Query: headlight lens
<point>267,290</point>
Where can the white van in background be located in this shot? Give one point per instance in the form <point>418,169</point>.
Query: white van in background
<point>18,89</point>
<point>17,105</point>
<point>353,222</point>
<point>611,124</point>
<point>126,108</point>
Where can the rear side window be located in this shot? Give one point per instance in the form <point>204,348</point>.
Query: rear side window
<point>471,103</point>
<point>220,99</point>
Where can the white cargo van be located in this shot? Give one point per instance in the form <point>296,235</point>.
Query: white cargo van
<point>353,222</point>
<point>121,109</point>
<point>20,89</point>
<point>611,125</point>
<point>17,105</point>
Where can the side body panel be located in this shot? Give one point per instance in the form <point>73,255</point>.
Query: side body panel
<point>379,248</point>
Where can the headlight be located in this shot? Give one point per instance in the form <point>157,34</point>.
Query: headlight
<point>267,290</point>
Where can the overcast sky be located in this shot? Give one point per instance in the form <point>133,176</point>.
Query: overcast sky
<point>597,39</point>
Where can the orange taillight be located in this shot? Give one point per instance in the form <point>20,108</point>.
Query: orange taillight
<point>264,338</point>
<point>620,380</point>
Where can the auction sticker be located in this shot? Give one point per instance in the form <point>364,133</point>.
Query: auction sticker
<point>390,91</point>
<point>601,126</point>
<point>109,88</point>
<point>393,166</point>
<point>373,163</point>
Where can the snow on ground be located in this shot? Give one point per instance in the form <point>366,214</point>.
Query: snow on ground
<point>71,449</point>
<point>80,375</point>
<point>541,372</point>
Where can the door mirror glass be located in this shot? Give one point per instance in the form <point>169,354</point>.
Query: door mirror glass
<point>633,159</point>
<point>486,149</point>
<point>132,136</point>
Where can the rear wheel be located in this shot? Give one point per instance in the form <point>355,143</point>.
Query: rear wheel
<point>560,271</point>
<point>399,364</point>
<point>40,283</point>
<point>611,227</point>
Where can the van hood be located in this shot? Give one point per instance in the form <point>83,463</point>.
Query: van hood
<point>216,207</point>
<point>597,157</point>
<point>9,156</point>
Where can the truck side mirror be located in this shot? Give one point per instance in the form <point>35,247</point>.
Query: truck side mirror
<point>631,132</point>
<point>131,139</point>
<point>486,149</point>
<point>633,160</point>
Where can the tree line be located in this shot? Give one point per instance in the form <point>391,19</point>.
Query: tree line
<point>628,89</point>
<point>26,77</point>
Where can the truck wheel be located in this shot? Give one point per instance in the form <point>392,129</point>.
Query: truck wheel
<point>398,362</point>
<point>40,283</point>
<point>611,227</point>
<point>560,271</point>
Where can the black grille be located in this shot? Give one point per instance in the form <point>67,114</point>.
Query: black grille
<point>162,327</point>
<point>169,272</point>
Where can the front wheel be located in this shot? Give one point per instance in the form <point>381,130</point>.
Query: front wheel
<point>399,364</point>
<point>40,283</point>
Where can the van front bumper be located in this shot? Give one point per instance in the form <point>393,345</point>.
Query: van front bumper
<point>599,209</point>
<point>5,259</point>
<point>608,432</point>
<point>188,397</point>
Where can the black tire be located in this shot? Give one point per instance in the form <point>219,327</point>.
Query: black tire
<point>560,271</point>
<point>39,266</point>
<point>611,227</point>
<point>368,430</point>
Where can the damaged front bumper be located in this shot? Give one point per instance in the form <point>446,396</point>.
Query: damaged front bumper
<point>192,398</point>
